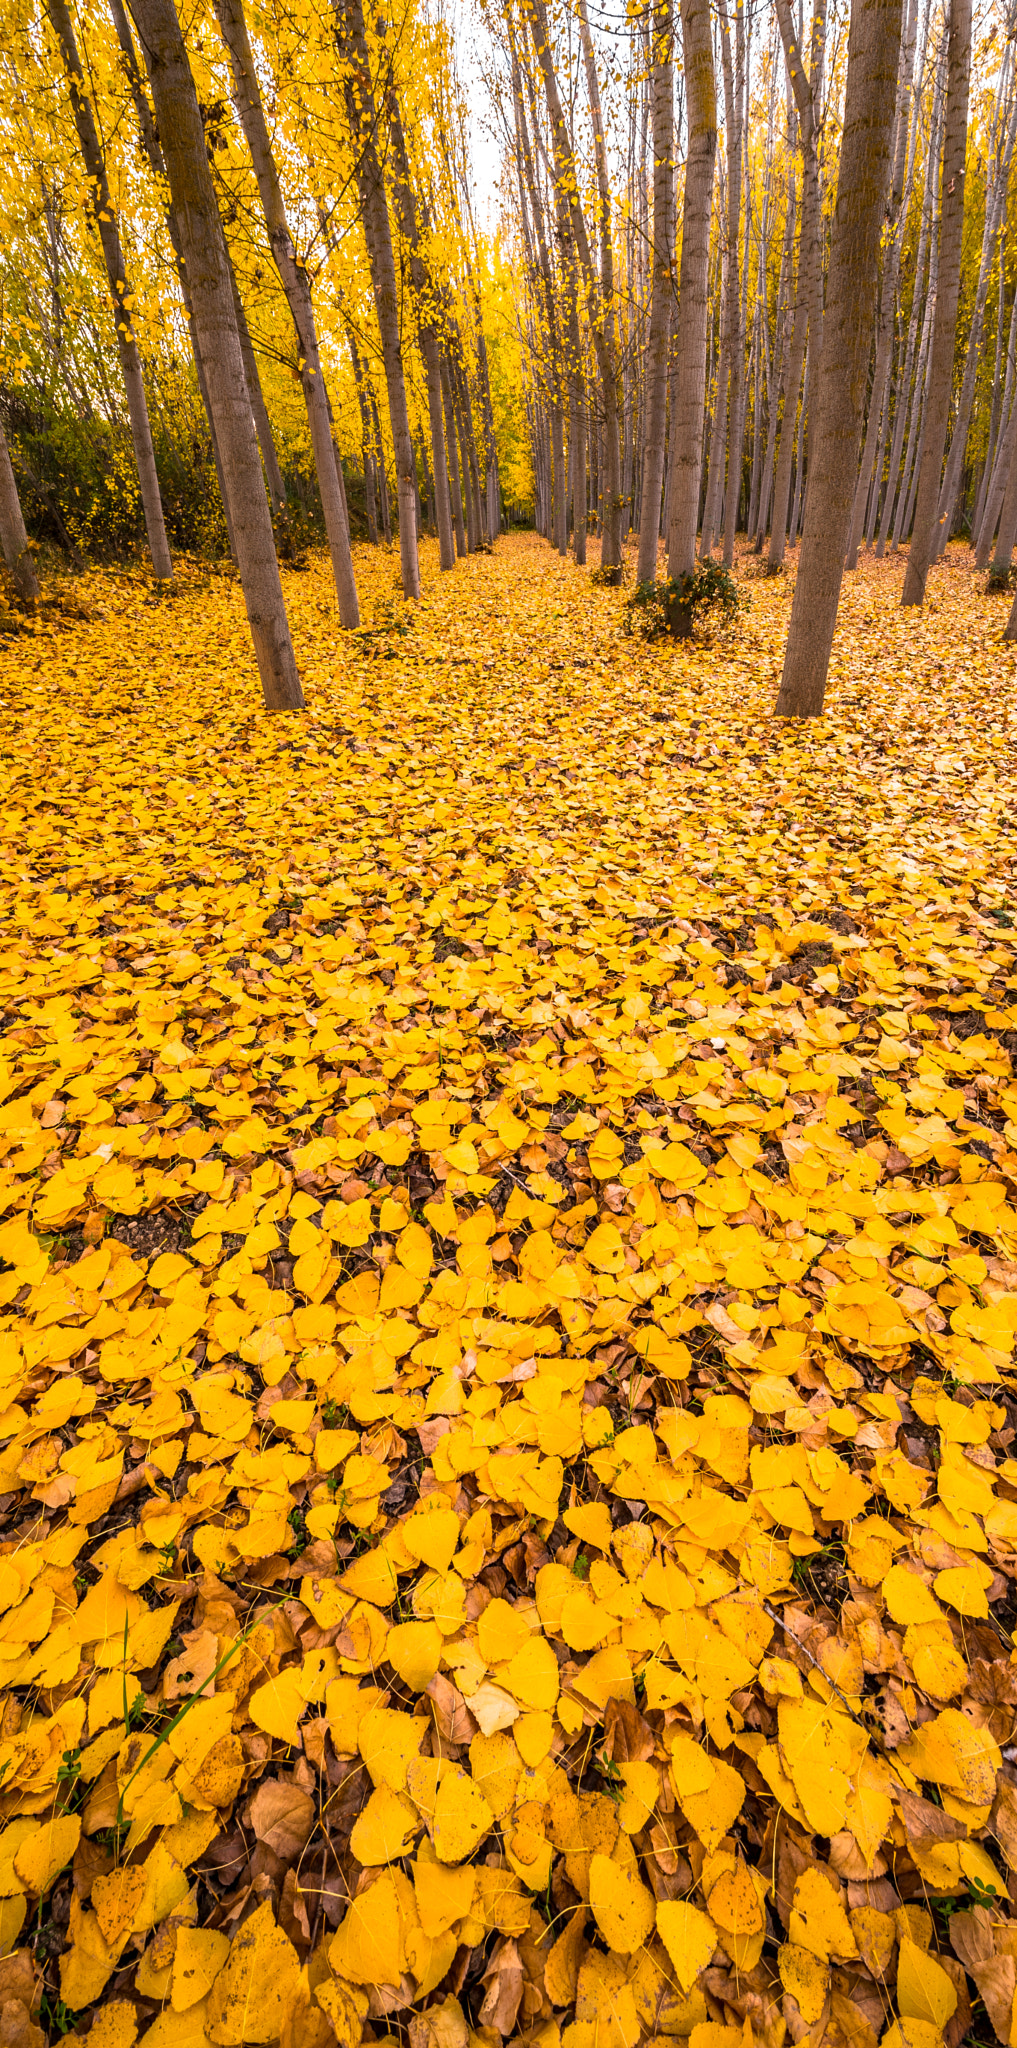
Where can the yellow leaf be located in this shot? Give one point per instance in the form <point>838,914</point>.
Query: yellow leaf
<point>710,1792</point>
<point>414,1650</point>
<point>383,1831</point>
<point>47,1851</point>
<point>368,1948</point>
<point>625,1911</point>
<point>532,1675</point>
<point>388,1740</point>
<point>278,1706</point>
<point>908,1598</point>
<point>688,1936</point>
<point>462,1817</point>
<point>199,1956</point>
<point>253,1990</point>
<point>591,1522</point>
<point>116,1899</point>
<point>819,1920</point>
<point>807,1977</point>
<point>432,1536</point>
<point>443,1894</point>
<point>964,1587</point>
<point>501,1632</point>
<point>924,1989</point>
<point>497,1768</point>
<point>88,1961</point>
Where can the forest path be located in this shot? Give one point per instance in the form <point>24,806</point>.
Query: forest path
<point>530,1110</point>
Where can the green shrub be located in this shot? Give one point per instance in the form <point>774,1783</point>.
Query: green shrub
<point>678,607</point>
<point>608,576</point>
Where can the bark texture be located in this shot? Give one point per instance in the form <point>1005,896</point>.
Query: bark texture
<point>427,326</point>
<point>655,369</point>
<point>120,292</point>
<point>924,535</point>
<point>364,127</point>
<point>13,538</point>
<point>295,284</point>
<point>208,278</point>
<point>862,184</point>
<point>689,389</point>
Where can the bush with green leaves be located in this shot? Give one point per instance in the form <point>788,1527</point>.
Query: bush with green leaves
<point>679,607</point>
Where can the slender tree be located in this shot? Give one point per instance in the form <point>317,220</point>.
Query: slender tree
<point>951,232</point>
<point>688,405</point>
<point>600,303</point>
<point>365,129</point>
<point>412,219</point>
<point>204,254</point>
<point>661,298</point>
<point>808,320</point>
<point>296,285</point>
<point>13,538</point>
<point>119,288</point>
<point>862,183</point>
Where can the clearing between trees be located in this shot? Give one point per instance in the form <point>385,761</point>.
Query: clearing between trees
<point>509,1281</point>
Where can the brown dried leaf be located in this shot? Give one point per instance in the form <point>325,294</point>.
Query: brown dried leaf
<point>504,1980</point>
<point>628,1739</point>
<point>925,1824</point>
<point>1003,1819</point>
<point>282,1817</point>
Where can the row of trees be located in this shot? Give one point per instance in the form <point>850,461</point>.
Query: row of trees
<point>319,163</point>
<point>763,251</point>
<point>761,278</point>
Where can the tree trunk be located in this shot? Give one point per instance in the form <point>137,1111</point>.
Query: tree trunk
<point>381,473</point>
<point>662,253</point>
<point>718,427</point>
<point>262,423</point>
<point>204,252</point>
<point>783,325</point>
<point>881,368</point>
<point>609,467</point>
<point>951,231</point>
<point>13,538</point>
<point>922,296</point>
<point>453,461</point>
<point>689,407</point>
<point>468,444</point>
<point>862,183</point>
<point>796,503</point>
<point>364,128</point>
<point>1004,467</point>
<point>733,115</point>
<point>973,357</point>
<point>427,328</point>
<point>366,436</point>
<point>153,151</point>
<point>601,306</point>
<point>295,284</point>
<point>559,515</point>
<point>120,292</point>
<point>492,494</point>
<point>1008,514</point>
<point>993,480</point>
<point>808,321</point>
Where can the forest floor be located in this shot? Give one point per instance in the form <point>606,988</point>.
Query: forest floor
<point>508,1278</point>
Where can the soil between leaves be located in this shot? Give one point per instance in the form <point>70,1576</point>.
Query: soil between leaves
<point>508,1278</point>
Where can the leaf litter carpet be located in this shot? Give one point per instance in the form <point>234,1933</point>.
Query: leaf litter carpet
<point>508,1268</point>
